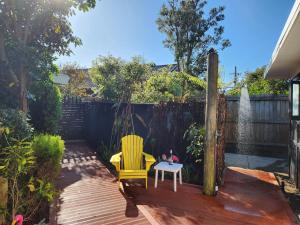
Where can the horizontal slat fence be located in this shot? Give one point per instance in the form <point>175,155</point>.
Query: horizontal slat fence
<point>270,125</point>
<point>72,122</point>
<point>92,120</point>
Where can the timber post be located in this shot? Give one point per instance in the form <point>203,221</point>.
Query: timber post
<point>3,198</point>
<point>211,124</point>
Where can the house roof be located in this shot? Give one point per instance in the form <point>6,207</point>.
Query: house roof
<point>285,61</point>
<point>171,67</point>
<point>61,79</point>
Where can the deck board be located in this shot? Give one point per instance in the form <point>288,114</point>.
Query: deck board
<point>90,194</point>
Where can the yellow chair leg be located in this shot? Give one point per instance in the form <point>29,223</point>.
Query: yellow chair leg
<point>146,183</point>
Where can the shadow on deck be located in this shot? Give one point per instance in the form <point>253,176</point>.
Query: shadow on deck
<point>90,195</point>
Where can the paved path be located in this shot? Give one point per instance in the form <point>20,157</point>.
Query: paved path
<point>90,194</point>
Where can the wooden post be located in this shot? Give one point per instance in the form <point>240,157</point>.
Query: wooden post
<point>211,124</point>
<point>3,198</point>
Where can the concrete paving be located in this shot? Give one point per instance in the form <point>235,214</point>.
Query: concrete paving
<point>256,162</point>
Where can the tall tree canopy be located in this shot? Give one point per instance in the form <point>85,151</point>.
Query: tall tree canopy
<point>31,33</point>
<point>117,79</point>
<point>190,33</point>
<point>257,85</point>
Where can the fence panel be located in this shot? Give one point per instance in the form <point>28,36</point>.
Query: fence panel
<point>92,120</point>
<point>72,122</point>
<point>270,125</point>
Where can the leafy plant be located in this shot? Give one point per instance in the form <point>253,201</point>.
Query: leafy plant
<point>26,192</point>
<point>164,86</point>
<point>48,150</point>
<point>45,106</point>
<point>77,85</point>
<point>105,153</point>
<point>15,125</point>
<point>195,135</point>
<point>257,85</point>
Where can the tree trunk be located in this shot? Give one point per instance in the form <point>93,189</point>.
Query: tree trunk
<point>23,91</point>
<point>211,125</point>
<point>3,197</point>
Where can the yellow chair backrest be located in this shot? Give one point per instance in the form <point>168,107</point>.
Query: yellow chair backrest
<point>132,149</point>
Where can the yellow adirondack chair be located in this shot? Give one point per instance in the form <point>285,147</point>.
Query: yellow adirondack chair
<point>132,162</point>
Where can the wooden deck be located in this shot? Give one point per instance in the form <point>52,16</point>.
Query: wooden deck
<point>90,195</point>
<point>248,197</point>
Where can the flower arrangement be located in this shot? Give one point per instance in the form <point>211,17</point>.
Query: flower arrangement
<point>172,158</point>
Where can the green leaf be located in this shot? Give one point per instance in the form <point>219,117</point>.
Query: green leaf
<point>31,187</point>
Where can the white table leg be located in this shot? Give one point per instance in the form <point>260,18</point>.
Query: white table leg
<point>180,176</point>
<point>175,188</point>
<point>156,177</point>
<point>162,175</point>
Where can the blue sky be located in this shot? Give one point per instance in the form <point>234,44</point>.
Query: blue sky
<point>125,28</point>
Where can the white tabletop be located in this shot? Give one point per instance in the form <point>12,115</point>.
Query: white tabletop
<point>165,166</point>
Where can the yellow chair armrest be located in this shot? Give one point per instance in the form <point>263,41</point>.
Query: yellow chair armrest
<point>116,160</point>
<point>149,160</point>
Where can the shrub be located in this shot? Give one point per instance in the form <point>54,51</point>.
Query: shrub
<point>17,123</point>
<point>45,107</point>
<point>26,193</point>
<point>195,135</point>
<point>48,150</point>
<point>193,170</point>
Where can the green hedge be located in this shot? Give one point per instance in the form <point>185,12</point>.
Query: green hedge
<point>45,107</point>
<point>18,126</point>
<point>49,151</point>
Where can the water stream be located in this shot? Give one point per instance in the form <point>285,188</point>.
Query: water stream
<point>244,135</point>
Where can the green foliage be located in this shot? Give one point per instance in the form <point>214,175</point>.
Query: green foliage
<point>26,191</point>
<point>116,79</point>
<point>195,135</point>
<point>49,150</point>
<point>16,126</point>
<point>163,86</point>
<point>190,33</point>
<point>257,85</point>
<point>78,79</point>
<point>17,159</point>
<point>105,153</point>
<point>32,34</point>
<point>45,106</point>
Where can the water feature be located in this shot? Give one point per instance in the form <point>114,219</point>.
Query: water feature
<point>244,135</point>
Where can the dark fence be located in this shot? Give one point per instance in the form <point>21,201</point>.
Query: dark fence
<point>270,125</point>
<point>162,126</point>
<point>73,118</point>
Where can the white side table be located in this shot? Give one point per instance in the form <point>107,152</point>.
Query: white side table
<point>165,166</point>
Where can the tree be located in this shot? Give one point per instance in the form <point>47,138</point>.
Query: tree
<point>189,34</point>
<point>78,79</point>
<point>257,85</point>
<point>117,80</point>
<point>45,106</point>
<point>163,86</point>
<point>31,33</point>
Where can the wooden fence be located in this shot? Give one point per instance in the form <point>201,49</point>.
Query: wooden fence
<point>270,125</point>
<point>270,121</point>
<point>72,121</point>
